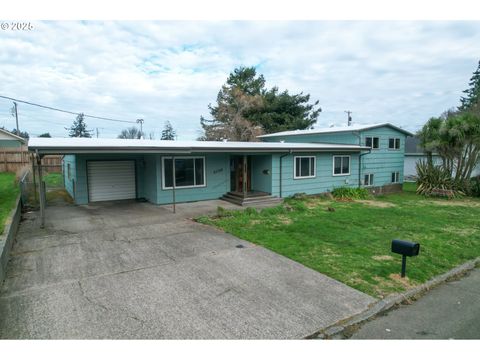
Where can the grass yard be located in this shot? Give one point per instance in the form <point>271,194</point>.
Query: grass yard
<point>53,180</point>
<point>352,243</point>
<point>8,194</point>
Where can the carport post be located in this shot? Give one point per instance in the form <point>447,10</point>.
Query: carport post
<point>173,184</point>
<point>41,191</point>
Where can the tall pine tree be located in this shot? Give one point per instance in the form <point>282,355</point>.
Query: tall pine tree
<point>79,128</point>
<point>168,133</point>
<point>472,97</point>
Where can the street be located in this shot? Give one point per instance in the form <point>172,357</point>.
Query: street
<point>450,311</point>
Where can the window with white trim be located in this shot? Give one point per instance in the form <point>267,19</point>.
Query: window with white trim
<point>368,180</point>
<point>189,172</point>
<point>395,177</point>
<point>394,143</point>
<point>341,165</point>
<point>372,142</point>
<point>304,167</point>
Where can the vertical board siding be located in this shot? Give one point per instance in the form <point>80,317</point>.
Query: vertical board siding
<point>69,184</point>
<point>217,176</point>
<point>261,174</point>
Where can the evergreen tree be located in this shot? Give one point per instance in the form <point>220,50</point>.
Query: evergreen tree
<point>245,108</point>
<point>22,134</point>
<point>473,93</point>
<point>79,128</point>
<point>168,133</point>
<point>45,135</point>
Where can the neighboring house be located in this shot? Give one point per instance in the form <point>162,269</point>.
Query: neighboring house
<point>159,171</point>
<point>414,153</point>
<point>9,140</point>
<point>381,169</point>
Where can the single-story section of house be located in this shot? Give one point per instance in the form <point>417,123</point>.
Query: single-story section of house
<point>9,140</point>
<point>156,170</point>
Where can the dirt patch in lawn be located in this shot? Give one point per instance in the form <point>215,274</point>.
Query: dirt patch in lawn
<point>376,203</point>
<point>465,203</point>
<point>382,257</point>
<point>404,281</point>
<point>284,220</point>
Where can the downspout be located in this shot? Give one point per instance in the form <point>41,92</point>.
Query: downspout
<point>357,133</point>
<point>360,166</point>
<point>281,162</point>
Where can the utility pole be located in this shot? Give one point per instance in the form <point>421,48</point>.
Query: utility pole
<point>14,110</point>
<point>141,121</point>
<point>349,119</point>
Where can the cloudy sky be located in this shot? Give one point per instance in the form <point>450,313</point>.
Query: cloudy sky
<point>399,72</point>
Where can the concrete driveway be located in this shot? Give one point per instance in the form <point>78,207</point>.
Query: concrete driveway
<point>135,270</point>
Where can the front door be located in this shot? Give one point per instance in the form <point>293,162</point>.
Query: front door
<point>240,176</point>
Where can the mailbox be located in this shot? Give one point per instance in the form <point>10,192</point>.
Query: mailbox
<point>406,248</point>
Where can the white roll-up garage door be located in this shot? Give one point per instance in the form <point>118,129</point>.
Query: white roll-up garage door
<point>111,180</point>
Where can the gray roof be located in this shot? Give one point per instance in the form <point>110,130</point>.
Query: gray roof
<point>337,129</point>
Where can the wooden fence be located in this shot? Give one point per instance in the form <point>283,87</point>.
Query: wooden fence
<point>18,161</point>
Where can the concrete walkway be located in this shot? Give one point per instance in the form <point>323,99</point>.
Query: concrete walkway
<point>450,311</point>
<point>135,270</point>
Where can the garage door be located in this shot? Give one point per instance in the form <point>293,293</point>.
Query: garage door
<point>111,180</point>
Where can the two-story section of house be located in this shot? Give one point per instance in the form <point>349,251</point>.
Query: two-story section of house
<point>380,169</point>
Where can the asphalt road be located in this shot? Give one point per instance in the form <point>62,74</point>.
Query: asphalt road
<point>450,311</point>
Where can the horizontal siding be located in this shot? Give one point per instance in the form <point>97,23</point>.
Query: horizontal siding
<point>324,180</point>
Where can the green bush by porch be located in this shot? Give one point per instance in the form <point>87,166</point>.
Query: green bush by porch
<point>350,241</point>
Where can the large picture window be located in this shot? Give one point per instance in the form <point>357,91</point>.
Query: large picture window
<point>189,172</point>
<point>341,165</point>
<point>304,167</point>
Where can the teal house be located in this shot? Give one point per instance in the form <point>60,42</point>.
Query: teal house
<point>280,165</point>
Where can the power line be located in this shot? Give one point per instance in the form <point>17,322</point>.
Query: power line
<point>66,111</point>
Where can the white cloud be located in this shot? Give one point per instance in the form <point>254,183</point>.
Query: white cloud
<point>402,72</point>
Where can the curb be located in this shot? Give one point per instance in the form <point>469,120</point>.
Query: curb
<point>6,239</point>
<point>346,327</point>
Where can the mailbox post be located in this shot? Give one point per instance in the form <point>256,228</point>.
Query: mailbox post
<point>405,248</point>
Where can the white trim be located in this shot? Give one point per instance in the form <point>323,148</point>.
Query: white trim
<point>295,177</point>
<point>188,186</point>
<point>394,142</point>
<point>371,177</point>
<point>397,177</point>
<point>373,137</point>
<point>341,165</point>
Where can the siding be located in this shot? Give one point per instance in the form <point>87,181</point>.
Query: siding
<point>381,162</point>
<point>324,180</point>
<point>7,143</point>
<point>217,175</point>
<point>260,180</point>
<point>69,184</point>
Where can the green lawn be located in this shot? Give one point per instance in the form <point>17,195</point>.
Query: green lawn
<point>53,180</point>
<point>8,193</point>
<point>352,243</point>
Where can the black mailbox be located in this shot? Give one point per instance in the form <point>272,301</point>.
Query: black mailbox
<point>406,248</point>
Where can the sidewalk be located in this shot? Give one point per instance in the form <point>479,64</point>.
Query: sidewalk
<point>450,311</point>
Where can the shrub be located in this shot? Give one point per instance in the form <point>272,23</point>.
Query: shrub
<point>474,188</point>
<point>348,193</point>
<point>432,178</point>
